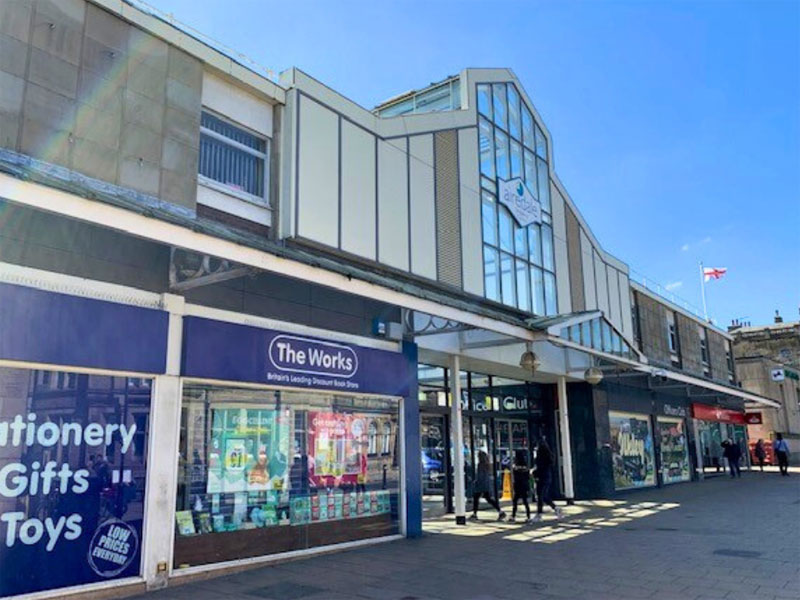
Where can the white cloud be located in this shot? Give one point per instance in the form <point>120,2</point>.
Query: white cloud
<point>673,285</point>
<point>685,248</point>
<point>687,245</point>
<point>706,240</point>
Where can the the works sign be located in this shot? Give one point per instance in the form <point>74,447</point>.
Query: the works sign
<point>231,352</point>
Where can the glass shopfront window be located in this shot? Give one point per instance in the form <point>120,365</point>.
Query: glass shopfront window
<point>264,471</point>
<point>73,466</point>
<point>632,450</point>
<point>675,466</point>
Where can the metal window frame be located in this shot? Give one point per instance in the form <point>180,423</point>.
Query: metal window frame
<point>548,213</point>
<point>263,200</point>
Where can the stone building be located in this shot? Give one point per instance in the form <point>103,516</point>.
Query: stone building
<point>768,363</point>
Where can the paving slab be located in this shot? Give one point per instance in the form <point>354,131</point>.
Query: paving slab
<point>716,539</point>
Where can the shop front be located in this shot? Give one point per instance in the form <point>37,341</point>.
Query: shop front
<point>716,425</point>
<point>500,417</point>
<point>288,443</point>
<point>649,441</point>
<point>76,389</point>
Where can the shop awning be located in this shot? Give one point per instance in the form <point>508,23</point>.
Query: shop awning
<point>705,384</point>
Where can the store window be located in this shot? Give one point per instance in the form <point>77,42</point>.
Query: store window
<point>632,450</point>
<point>519,262</point>
<point>674,450</point>
<point>73,466</point>
<point>267,471</point>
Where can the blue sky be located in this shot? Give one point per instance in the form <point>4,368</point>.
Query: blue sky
<point>675,125</point>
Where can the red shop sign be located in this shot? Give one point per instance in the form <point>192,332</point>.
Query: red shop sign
<point>715,413</point>
<point>753,418</point>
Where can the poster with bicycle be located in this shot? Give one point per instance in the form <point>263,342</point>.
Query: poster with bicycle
<point>73,464</point>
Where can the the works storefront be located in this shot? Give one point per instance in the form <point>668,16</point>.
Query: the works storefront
<point>285,442</point>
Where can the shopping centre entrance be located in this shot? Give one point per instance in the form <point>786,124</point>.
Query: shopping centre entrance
<point>500,417</point>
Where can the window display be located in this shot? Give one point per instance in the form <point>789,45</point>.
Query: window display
<point>675,465</point>
<point>73,465</point>
<point>265,471</point>
<point>632,450</point>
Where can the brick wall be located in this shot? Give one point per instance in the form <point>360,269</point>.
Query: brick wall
<point>83,89</point>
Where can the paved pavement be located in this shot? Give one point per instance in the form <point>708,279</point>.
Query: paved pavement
<point>720,539</point>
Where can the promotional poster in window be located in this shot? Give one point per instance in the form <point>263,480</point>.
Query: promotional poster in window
<point>72,476</point>
<point>632,448</point>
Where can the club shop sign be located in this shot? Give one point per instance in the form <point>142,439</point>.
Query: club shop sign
<point>515,196</point>
<point>231,352</point>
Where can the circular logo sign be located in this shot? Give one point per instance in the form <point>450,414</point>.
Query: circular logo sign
<point>113,547</point>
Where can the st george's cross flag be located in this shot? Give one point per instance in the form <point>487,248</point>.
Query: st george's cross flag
<point>710,273</point>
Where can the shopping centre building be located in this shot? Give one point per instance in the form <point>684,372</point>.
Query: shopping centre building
<point>244,319</point>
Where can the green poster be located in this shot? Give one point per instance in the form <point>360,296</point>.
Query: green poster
<point>249,450</point>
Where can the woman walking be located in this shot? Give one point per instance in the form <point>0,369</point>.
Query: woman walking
<point>544,479</point>
<point>522,484</point>
<point>760,453</point>
<point>483,487</point>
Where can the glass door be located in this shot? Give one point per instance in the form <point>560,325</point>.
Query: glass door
<point>434,442</point>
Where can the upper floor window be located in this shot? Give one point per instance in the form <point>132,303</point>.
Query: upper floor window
<point>233,158</point>
<point>519,262</point>
<point>704,356</point>
<point>672,339</point>
<point>729,361</point>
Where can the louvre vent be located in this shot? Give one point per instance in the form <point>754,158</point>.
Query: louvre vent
<point>448,210</point>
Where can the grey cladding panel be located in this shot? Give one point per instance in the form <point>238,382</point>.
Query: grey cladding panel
<point>448,212</point>
<point>575,261</point>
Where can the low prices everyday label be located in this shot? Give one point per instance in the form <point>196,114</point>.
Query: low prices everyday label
<point>112,548</point>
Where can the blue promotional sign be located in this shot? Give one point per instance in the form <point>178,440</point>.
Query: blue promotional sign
<point>73,464</point>
<point>61,329</point>
<point>231,352</point>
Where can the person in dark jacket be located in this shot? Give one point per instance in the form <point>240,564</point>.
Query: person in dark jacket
<point>733,453</point>
<point>544,479</point>
<point>521,476</point>
<point>482,486</point>
<point>760,453</point>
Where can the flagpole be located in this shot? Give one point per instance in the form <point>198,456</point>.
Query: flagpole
<point>703,290</point>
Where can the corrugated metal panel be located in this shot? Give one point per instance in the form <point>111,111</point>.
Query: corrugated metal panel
<point>448,210</point>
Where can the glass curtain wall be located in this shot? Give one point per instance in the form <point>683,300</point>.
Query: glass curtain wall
<point>519,263</point>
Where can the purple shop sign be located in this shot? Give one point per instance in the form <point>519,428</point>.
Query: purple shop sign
<point>231,352</point>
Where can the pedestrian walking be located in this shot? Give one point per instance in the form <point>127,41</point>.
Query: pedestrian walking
<point>760,453</point>
<point>521,475</point>
<point>781,447</point>
<point>544,479</point>
<point>483,487</point>
<point>733,453</point>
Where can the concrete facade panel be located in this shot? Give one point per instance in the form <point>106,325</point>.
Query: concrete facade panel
<point>573,237</point>
<point>613,294</point>
<point>393,204</point>
<point>601,283</point>
<point>318,197</point>
<point>625,307</point>
<point>561,251</point>
<point>358,191</point>
<point>587,265</point>
<point>13,55</point>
